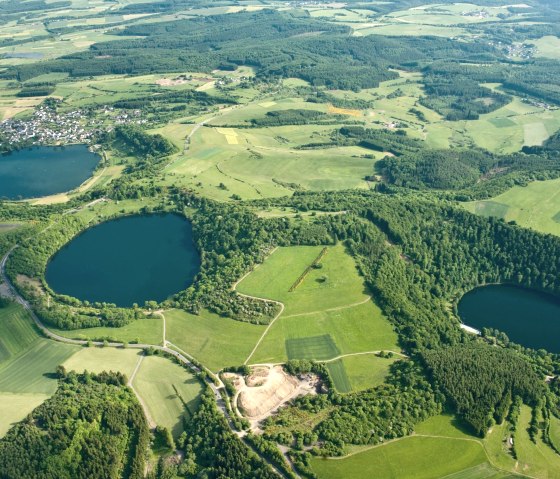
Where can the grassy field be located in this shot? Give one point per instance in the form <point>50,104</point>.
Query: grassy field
<point>278,273</point>
<point>97,360</point>
<point>535,206</point>
<point>147,331</point>
<point>215,341</point>
<point>548,47</point>
<point>27,364</point>
<point>412,457</point>
<point>17,332</point>
<point>339,376</point>
<point>366,371</point>
<point>167,389</point>
<point>351,330</point>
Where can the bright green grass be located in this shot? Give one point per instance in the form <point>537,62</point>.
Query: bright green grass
<point>167,389</point>
<point>146,331</point>
<point>412,457</point>
<point>534,460</point>
<point>16,332</point>
<point>215,341</point>
<point>534,206</point>
<point>356,329</point>
<point>343,287</point>
<point>444,425</point>
<point>15,407</point>
<point>96,360</point>
<point>339,376</point>
<point>555,431</point>
<point>315,347</point>
<point>31,371</point>
<point>366,370</point>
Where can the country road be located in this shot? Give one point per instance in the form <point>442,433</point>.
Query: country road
<point>220,402</point>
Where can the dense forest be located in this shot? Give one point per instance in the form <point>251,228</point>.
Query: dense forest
<point>92,427</point>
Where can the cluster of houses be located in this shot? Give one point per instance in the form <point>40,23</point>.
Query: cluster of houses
<point>47,126</point>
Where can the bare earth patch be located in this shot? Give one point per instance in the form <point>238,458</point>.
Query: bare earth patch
<point>267,388</point>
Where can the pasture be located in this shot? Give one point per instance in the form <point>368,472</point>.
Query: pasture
<point>146,331</point>
<point>365,371</point>
<point>335,284</point>
<point>354,329</point>
<point>535,206</point>
<point>97,359</point>
<point>168,390</point>
<point>215,341</point>
<point>412,457</point>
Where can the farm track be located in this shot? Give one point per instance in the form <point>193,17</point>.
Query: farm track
<point>220,402</point>
<point>282,307</point>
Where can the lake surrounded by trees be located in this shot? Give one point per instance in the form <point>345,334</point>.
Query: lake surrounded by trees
<point>529,318</point>
<point>45,170</point>
<point>128,260</point>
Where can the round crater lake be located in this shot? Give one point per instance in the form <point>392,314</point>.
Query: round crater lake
<point>529,318</point>
<point>125,261</point>
<point>45,170</point>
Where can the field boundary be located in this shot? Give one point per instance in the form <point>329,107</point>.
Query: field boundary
<point>303,275</point>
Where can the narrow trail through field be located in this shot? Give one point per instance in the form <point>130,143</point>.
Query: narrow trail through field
<point>338,308</point>
<point>151,423</point>
<point>362,354</point>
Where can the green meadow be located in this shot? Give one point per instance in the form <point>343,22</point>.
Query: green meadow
<point>146,331</point>
<point>214,341</point>
<point>169,391</point>
<point>535,206</point>
<point>27,366</point>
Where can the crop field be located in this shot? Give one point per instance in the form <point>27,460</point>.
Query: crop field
<point>147,331</point>
<point>16,332</point>
<point>535,206</point>
<point>215,341</point>
<point>339,376</point>
<point>167,389</point>
<point>97,360</point>
<point>311,347</point>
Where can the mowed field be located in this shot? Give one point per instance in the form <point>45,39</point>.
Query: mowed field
<point>328,315</point>
<point>169,391</point>
<point>164,387</point>
<point>146,331</point>
<point>27,366</point>
<point>440,447</point>
<point>214,341</point>
<point>535,206</point>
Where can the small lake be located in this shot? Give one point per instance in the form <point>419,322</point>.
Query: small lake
<point>529,318</point>
<point>125,261</point>
<point>45,170</point>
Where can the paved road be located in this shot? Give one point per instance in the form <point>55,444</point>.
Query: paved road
<point>220,402</point>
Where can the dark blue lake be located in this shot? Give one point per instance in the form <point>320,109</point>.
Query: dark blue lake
<point>125,261</point>
<point>45,170</point>
<point>529,318</point>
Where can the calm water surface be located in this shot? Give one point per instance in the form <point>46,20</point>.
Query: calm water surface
<point>45,170</point>
<point>128,260</point>
<point>529,318</point>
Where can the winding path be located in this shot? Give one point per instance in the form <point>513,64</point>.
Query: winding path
<point>217,390</point>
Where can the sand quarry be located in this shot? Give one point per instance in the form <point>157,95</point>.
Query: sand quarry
<point>266,389</point>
